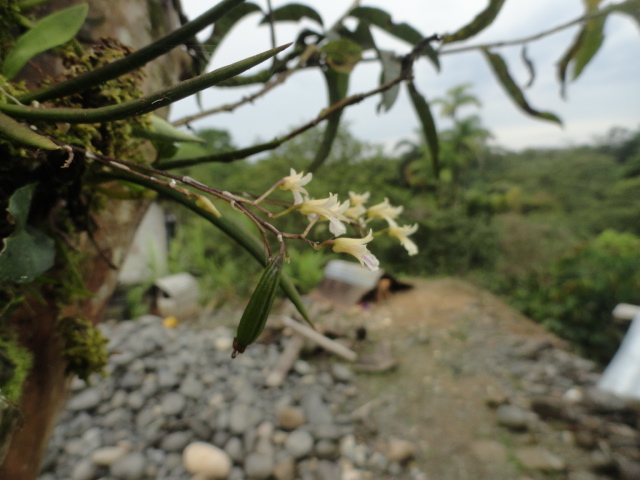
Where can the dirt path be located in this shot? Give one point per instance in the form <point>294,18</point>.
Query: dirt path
<point>451,342</point>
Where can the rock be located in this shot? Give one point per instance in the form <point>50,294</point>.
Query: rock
<point>299,443</point>
<point>207,459</point>
<point>85,400</point>
<point>628,470</point>
<point>328,470</point>
<point>243,416</point>
<point>327,450</point>
<point>173,403</point>
<point>84,470</point>
<point>290,418</point>
<point>302,368</point>
<point>549,408</point>
<point>191,387</point>
<point>538,458</point>
<point>399,450</point>
<point>600,401</point>
<point>175,441</point>
<point>234,449</point>
<point>285,469</point>
<point>489,451</point>
<point>315,410</point>
<point>258,466</point>
<point>341,373</point>
<point>327,431</point>
<point>531,348</point>
<point>512,417</point>
<point>106,456</point>
<point>129,467</point>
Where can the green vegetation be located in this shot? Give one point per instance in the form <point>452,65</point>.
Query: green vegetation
<point>553,231</point>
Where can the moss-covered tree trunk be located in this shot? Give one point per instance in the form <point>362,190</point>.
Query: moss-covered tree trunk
<point>25,427</point>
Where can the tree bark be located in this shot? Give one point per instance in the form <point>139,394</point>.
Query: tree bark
<point>134,23</point>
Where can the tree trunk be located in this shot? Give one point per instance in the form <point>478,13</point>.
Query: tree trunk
<point>25,429</point>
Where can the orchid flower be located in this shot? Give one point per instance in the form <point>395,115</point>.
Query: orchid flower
<point>327,209</point>
<point>295,182</point>
<point>357,247</point>
<point>357,208</point>
<point>402,233</point>
<point>384,211</point>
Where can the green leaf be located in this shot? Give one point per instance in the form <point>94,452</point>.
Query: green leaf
<point>630,7</point>
<point>50,32</point>
<point>337,87</point>
<point>479,23</point>
<point>528,63</point>
<point>589,45</point>
<point>391,68</point>
<point>293,12</point>
<point>423,111</point>
<point>23,135</point>
<point>27,253</point>
<point>362,36</point>
<point>501,71</point>
<point>403,31</point>
<point>563,64</point>
<point>342,55</point>
<point>163,131</point>
<point>223,26</point>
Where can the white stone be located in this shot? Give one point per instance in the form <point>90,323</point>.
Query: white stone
<point>106,456</point>
<point>201,457</point>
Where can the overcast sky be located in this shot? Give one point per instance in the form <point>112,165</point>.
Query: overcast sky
<point>607,94</point>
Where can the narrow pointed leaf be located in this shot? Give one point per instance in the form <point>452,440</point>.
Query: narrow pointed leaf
<point>17,132</point>
<point>50,32</point>
<point>293,12</point>
<point>501,71</point>
<point>223,26</point>
<point>163,131</point>
<point>421,106</point>
<point>564,62</point>
<point>337,87</point>
<point>391,68</point>
<point>529,65</point>
<point>403,31</point>
<point>362,36</point>
<point>590,44</point>
<point>479,23</point>
<point>142,105</point>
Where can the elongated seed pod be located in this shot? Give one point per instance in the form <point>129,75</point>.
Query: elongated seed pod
<point>255,315</point>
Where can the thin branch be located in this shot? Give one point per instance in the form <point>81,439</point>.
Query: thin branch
<point>226,157</point>
<point>531,38</point>
<point>230,107</point>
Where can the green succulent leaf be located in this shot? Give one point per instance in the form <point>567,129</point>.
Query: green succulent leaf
<point>27,252</point>
<point>142,105</point>
<point>23,135</point>
<point>293,12</point>
<point>479,23</point>
<point>391,69</point>
<point>501,71</point>
<point>163,131</point>
<point>428,125</point>
<point>50,32</point>
<point>403,31</point>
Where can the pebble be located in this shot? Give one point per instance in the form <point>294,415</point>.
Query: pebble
<point>512,417</point>
<point>399,450</point>
<point>290,418</point>
<point>129,467</point>
<point>258,465</point>
<point>173,403</point>
<point>207,459</point>
<point>85,400</point>
<point>299,443</point>
<point>538,458</point>
<point>106,456</point>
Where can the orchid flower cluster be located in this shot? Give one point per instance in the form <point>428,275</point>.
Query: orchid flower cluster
<point>353,211</point>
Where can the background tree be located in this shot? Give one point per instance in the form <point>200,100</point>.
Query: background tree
<point>71,191</point>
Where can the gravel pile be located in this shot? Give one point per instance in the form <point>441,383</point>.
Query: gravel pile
<point>175,406</point>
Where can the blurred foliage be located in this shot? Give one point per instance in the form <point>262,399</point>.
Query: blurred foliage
<point>575,297</point>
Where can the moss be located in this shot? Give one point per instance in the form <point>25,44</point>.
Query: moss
<point>84,347</point>
<point>15,364</point>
